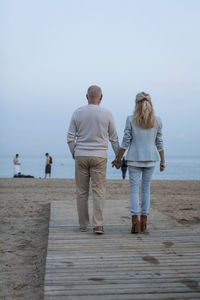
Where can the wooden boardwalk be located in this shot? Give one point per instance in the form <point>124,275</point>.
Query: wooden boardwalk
<point>164,264</point>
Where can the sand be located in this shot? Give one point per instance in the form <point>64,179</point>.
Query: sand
<point>24,217</point>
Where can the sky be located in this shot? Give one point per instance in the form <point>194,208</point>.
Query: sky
<point>52,51</point>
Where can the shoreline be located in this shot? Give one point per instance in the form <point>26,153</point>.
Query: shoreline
<point>108,179</point>
<point>24,220</point>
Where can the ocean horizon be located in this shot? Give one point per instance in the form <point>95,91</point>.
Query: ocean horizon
<point>177,167</point>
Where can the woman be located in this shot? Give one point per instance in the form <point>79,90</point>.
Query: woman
<point>143,139</point>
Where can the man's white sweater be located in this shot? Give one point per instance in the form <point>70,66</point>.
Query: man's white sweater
<point>90,128</point>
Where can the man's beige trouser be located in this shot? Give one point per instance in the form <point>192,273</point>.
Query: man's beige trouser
<point>95,168</point>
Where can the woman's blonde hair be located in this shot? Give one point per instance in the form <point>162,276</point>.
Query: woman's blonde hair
<point>144,115</point>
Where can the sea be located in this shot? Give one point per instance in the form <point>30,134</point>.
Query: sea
<point>177,167</point>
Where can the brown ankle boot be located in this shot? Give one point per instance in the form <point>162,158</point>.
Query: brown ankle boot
<point>143,223</point>
<point>135,224</point>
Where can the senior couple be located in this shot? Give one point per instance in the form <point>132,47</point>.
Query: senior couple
<point>90,128</point>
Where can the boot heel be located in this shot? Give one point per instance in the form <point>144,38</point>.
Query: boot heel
<point>143,223</point>
<point>135,225</point>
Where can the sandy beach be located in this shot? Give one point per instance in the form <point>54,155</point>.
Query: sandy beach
<point>25,207</point>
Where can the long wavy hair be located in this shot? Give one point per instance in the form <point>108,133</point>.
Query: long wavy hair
<point>143,115</point>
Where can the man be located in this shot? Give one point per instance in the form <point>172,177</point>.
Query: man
<point>47,166</point>
<point>87,138</point>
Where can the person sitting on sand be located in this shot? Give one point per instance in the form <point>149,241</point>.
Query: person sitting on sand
<point>19,175</point>
<point>143,139</point>
<point>16,164</point>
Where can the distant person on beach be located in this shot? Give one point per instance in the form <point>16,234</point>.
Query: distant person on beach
<point>48,165</point>
<point>124,167</point>
<point>16,164</point>
<point>143,139</point>
<point>87,138</point>
<point>19,175</point>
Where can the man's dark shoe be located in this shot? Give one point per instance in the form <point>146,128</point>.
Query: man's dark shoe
<point>83,229</point>
<point>98,229</point>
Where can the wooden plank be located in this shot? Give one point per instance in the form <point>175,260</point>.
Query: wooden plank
<point>164,264</point>
<point>128,297</point>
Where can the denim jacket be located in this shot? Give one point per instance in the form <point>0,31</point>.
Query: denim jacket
<point>142,144</point>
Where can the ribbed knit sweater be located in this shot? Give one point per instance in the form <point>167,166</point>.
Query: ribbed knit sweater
<point>90,129</point>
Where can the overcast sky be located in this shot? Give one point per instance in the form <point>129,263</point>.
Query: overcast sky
<point>51,51</point>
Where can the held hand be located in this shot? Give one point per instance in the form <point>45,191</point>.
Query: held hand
<point>116,164</point>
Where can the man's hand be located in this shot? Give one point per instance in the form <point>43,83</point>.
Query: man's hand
<point>116,163</point>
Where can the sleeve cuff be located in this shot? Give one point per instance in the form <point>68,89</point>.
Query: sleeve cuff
<point>123,147</point>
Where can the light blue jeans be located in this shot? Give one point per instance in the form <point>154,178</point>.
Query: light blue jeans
<point>135,174</point>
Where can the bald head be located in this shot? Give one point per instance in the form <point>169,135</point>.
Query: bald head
<point>94,94</point>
